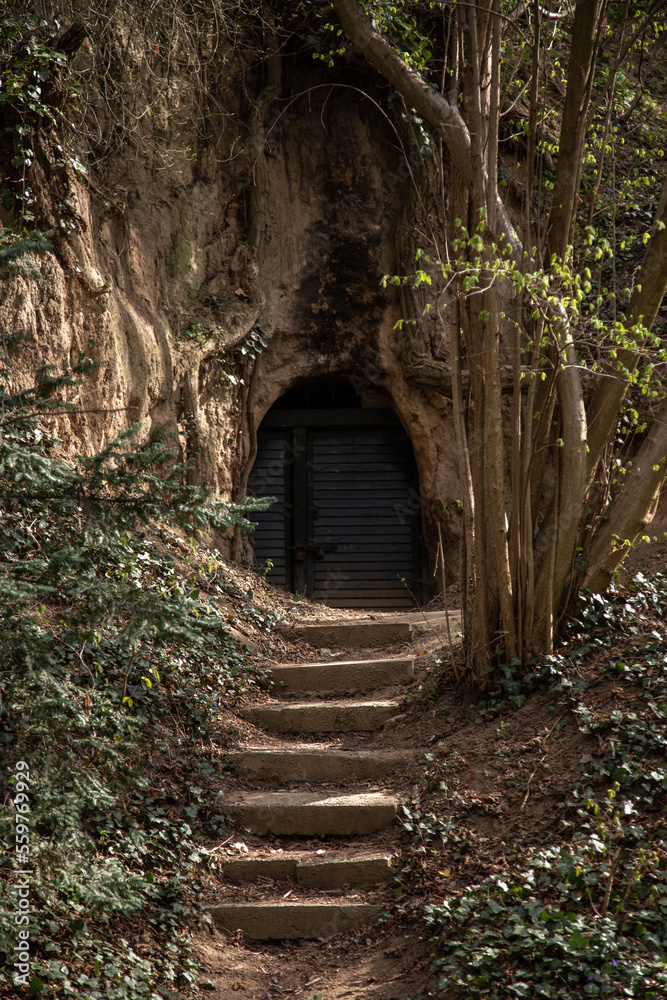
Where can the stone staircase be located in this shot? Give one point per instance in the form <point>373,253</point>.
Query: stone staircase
<point>350,857</point>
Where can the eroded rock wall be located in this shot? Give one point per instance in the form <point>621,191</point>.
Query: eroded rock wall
<point>326,247</point>
<point>167,269</point>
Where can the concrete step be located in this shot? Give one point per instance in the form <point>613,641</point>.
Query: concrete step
<point>317,762</point>
<point>277,921</point>
<point>321,716</point>
<point>330,870</point>
<point>350,634</point>
<point>347,675</point>
<point>310,814</point>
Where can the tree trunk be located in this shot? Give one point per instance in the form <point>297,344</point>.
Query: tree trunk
<point>645,301</point>
<point>573,126</point>
<point>522,578</point>
<point>437,109</point>
<point>632,508</point>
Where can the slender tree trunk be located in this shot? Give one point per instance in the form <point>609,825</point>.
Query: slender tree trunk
<point>437,109</point>
<point>645,301</point>
<point>519,588</point>
<point>632,508</point>
<point>526,530</point>
<point>463,455</point>
<point>573,125</point>
<point>494,473</point>
<point>532,127</point>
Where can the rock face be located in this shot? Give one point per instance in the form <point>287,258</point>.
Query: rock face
<point>284,233</point>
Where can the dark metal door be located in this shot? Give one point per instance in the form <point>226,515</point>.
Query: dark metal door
<point>346,528</point>
<point>273,534</point>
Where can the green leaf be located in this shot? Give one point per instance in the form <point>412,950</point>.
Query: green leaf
<point>577,940</point>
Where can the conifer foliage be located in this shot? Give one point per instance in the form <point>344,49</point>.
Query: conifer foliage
<point>104,636</point>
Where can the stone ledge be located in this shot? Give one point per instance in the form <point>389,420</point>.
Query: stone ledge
<point>331,871</point>
<point>310,814</point>
<point>313,763</point>
<point>348,676</point>
<point>350,635</point>
<point>279,921</point>
<point>321,716</point>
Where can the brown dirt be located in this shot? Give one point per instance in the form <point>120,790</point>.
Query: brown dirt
<point>650,557</point>
<point>505,778</point>
<point>384,964</point>
<point>509,774</point>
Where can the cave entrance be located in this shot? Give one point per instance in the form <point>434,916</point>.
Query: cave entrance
<point>346,528</point>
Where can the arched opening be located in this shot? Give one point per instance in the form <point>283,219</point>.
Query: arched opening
<point>346,528</point>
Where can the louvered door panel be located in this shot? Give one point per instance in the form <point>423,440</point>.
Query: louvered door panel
<point>270,476</point>
<point>363,517</point>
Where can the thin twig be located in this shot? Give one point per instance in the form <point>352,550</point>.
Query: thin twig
<point>610,881</point>
<point>441,556</point>
<point>617,911</point>
<point>127,674</point>
<point>525,798</point>
<point>219,847</point>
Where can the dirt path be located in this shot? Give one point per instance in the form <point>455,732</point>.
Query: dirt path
<point>383,959</point>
